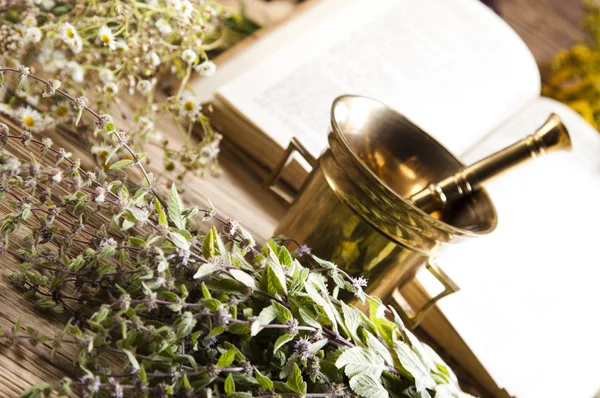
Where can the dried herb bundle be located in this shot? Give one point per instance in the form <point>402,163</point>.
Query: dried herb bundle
<point>168,300</point>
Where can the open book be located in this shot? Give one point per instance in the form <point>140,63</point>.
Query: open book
<point>524,323</point>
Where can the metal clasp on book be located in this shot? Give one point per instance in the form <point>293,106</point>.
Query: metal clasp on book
<point>271,182</point>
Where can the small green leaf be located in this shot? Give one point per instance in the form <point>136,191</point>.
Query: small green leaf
<point>283,314</point>
<point>226,358</point>
<point>366,385</point>
<point>244,278</point>
<point>413,365</point>
<point>359,360</point>
<point>317,345</point>
<point>263,380</point>
<point>281,341</point>
<point>229,385</point>
<point>132,359</point>
<point>204,270</point>
<point>175,208</point>
<point>121,164</point>
<point>162,216</point>
<point>295,381</point>
<point>266,316</point>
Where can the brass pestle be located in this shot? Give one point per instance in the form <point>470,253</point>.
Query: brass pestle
<point>551,136</point>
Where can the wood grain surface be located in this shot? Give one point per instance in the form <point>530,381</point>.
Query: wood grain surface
<point>545,25</point>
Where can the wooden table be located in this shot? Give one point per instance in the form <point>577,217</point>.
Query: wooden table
<point>545,25</point>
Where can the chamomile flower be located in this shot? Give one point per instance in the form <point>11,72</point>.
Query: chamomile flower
<point>206,68</point>
<point>33,35</point>
<point>189,106</point>
<point>107,38</point>
<point>76,71</point>
<point>106,75</point>
<point>30,20</point>
<point>61,112</point>
<point>111,88</point>
<point>69,35</point>
<point>185,9</point>
<point>189,56</point>
<point>101,150</point>
<point>153,59</point>
<point>121,46</point>
<point>145,86</point>
<point>209,153</point>
<point>163,26</point>
<point>48,4</point>
<point>30,119</point>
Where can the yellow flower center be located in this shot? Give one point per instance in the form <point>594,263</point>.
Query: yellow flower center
<point>188,106</point>
<point>105,38</point>
<point>70,33</point>
<point>28,121</point>
<point>61,111</point>
<point>103,153</point>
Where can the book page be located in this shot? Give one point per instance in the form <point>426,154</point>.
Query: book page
<point>528,304</point>
<point>452,66</point>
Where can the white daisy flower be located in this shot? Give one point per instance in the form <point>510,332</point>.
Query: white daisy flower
<point>105,75</point>
<point>30,119</point>
<point>189,106</point>
<point>48,4</point>
<point>61,112</point>
<point>174,3</point>
<point>107,38</point>
<point>189,56</point>
<point>77,72</point>
<point>30,21</point>
<point>145,86</point>
<point>121,46</point>
<point>206,68</point>
<point>33,35</point>
<point>70,36</point>
<point>185,9</point>
<point>101,150</point>
<point>153,59</point>
<point>163,26</point>
<point>111,88</point>
<point>209,153</point>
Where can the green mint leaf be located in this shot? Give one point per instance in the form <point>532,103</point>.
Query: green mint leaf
<point>411,362</point>
<point>295,381</point>
<point>229,385</point>
<point>179,240</point>
<point>263,380</point>
<point>175,208</point>
<point>358,360</point>
<point>352,320</point>
<point>204,270</point>
<point>226,358</point>
<point>367,386</point>
<point>244,278</point>
<point>266,316</point>
<point>132,359</point>
<point>285,338</point>
<point>285,257</point>
<point>121,164</point>
<point>317,345</point>
<point>162,216</point>
<point>374,344</point>
<point>283,314</point>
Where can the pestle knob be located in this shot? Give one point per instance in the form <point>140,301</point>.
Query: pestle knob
<point>551,136</point>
